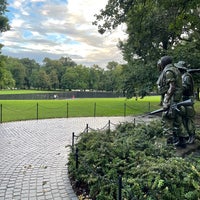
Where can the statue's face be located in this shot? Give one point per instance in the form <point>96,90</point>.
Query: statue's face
<point>160,68</point>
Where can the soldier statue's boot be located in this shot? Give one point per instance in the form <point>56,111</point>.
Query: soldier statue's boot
<point>181,142</point>
<point>191,139</point>
<point>172,139</point>
<point>175,140</point>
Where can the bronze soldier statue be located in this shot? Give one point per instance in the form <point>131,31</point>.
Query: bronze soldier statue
<point>170,87</point>
<point>188,93</point>
<point>159,82</point>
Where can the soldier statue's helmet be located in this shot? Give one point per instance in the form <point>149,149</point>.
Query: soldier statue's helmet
<point>165,60</point>
<point>181,65</point>
<point>159,66</point>
<point>159,62</point>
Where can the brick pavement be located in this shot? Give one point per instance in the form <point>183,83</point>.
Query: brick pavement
<point>34,156</point>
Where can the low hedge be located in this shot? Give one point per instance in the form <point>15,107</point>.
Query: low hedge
<point>149,168</point>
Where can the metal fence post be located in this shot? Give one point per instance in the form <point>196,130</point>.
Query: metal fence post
<point>149,107</point>
<point>76,158</point>
<point>124,109</point>
<point>1,114</point>
<point>73,141</point>
<point>109,126</point>
<point>120,187</point>
<point>37,111</point>
<point>95,109</point>
<point>67,109</point>
<point>87,128</point>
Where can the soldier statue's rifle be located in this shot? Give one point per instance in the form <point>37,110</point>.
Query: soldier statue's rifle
<point>175,106</point>
<point>191,71</point>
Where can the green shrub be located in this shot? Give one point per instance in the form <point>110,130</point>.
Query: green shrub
<point>149,168</point>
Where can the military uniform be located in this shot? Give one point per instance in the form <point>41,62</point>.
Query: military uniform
<point>170,86</point>
<point>188,93</point>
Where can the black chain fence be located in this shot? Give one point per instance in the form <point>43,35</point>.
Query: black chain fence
<point>35,111</point>
<point>120,181</point>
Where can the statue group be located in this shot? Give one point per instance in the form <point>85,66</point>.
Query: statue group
<point>175,85</point>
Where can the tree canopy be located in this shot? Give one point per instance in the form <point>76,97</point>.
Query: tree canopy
<point>60,74</point>
<point>154,29</point>
<point>4,23</point>
<point>6,79</point>
<point>152,26</point>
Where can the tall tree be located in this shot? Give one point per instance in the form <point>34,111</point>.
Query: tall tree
<point>76,78</point>
<point>43,80</point>
<point>34,79</point>
<point>95,78</point>
<point>70,79</point>
<point>151,25</point>
<point>113,77</point>
<point>154,28</point>
<point>18,71</point>
<point>4,23</point>
<point>141,80</point>
<point>68,62</point>
<point>59,66</point>
<point>6,79</point>
<point>190,53</point>
<point>30,66</point>
<point>54,80</point>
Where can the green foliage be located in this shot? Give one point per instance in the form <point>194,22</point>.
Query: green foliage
<point>154,29</point>
<point>63,74</point>
<point>150,169</point>
<point>113,77</point>
<point>4,26</point>
<point>134,75</point>
<point>152,26</point>
<point>75,78</point>
<point>4,22</point>
<point>30,66</point>
<point>6,80</point>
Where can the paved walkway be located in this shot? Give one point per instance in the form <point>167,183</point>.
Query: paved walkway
<point>34,156</point>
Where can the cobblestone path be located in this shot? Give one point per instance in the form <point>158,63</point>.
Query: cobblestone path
<point>34,156</point>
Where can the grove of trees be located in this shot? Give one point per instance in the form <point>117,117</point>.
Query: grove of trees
<point>154,29</point>
<point>62,74</point>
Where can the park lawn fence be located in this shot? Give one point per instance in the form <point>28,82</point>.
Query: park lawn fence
<point>16,110</point>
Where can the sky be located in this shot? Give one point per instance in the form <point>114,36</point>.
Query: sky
<point>56,28</point>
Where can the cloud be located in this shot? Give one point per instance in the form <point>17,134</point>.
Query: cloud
<point>45,28</point>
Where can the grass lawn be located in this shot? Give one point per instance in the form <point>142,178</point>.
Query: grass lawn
<point>24,91</point>
<point>14,110</point>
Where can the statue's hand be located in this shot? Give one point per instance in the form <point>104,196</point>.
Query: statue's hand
<point>166,105</point>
